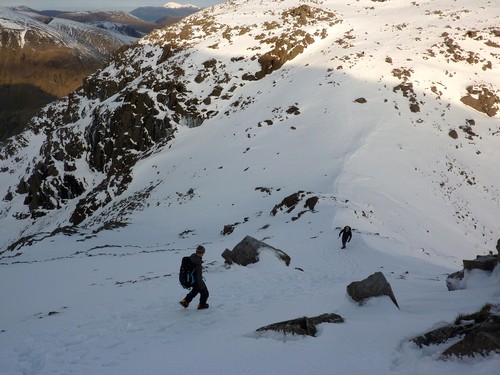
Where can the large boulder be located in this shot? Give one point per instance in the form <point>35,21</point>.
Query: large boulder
<point>375,285</point>
<point>247,252</point>
<point>302,326</point>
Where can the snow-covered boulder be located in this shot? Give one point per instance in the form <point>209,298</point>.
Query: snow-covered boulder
<point>486,263</point>
<point>302,326</point>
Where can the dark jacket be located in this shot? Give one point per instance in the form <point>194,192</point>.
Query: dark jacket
<point>197,261</point>
<point>346,234</point>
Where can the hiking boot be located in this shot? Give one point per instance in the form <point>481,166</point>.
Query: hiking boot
<point>184,303</point>
<point>202,307</point>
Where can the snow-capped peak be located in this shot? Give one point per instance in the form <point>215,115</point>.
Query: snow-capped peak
<point>172,5</point>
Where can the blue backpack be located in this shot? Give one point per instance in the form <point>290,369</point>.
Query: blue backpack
<point>187,276</point>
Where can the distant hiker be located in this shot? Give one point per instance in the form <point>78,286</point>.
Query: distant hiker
<point>199,285</point>
<point>346,234</point>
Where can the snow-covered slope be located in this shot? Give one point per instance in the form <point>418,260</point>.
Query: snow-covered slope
<point>295,77</point>
<point>16,24</point>
<point>209,125</point>
<point>24,27</point>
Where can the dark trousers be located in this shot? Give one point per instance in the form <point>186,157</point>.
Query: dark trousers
<point>345,238</point>
<point>194,292</point>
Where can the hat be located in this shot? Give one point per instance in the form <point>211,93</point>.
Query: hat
<point>200,250</point>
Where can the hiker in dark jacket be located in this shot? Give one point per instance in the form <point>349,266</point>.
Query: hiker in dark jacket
<point>199,285</point>
<point>346,234</point>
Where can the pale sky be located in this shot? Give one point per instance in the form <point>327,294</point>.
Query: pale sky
<point>125,5</point>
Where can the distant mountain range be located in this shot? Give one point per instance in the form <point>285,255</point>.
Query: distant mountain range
<point>127,23</point>
<point>46,54</point>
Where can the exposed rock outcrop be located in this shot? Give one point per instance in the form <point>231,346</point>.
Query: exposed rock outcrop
<point>479,334</point>
<point>290,202</point>
<point>288,46</point>
<point>482,99</point>
<point>302,326</point>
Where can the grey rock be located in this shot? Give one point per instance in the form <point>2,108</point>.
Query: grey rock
<point>375,285</point>
<point>302,326</point>
<point>247,252</point>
